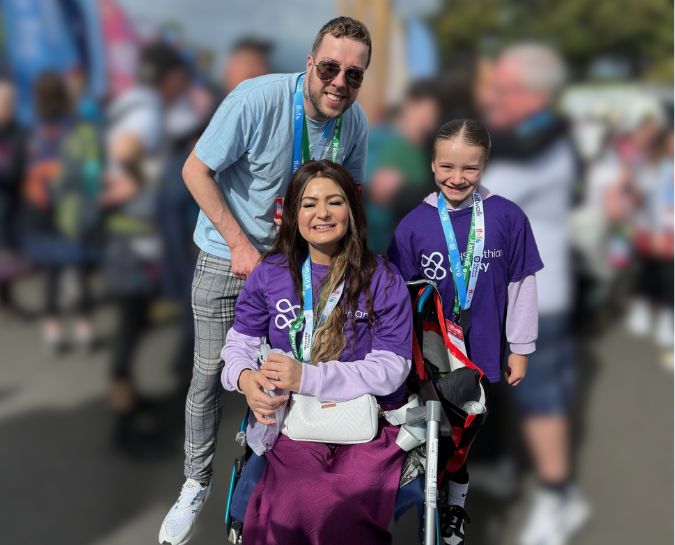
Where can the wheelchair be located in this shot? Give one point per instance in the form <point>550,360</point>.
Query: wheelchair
<point>446,427</point>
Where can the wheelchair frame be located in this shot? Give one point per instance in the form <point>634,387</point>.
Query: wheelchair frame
<point>429,413</point>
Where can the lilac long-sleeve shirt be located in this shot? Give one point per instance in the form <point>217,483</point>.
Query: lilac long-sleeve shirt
<point>380,373</point>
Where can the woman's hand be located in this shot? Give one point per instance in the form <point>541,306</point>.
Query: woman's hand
<point>516,367</point>
<point>283,371</point>
<point>252,383</point>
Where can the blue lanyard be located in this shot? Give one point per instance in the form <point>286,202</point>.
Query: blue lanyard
<point>305,350</point>
<point>474,255</point>
<point>298,125</point>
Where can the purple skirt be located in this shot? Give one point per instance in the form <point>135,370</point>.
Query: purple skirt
<point>321,494</point>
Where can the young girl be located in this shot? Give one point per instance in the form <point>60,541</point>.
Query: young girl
<point>319,493</point>
<point>465,236</point>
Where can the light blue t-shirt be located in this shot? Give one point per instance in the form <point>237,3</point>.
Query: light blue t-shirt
<point>249,144</point>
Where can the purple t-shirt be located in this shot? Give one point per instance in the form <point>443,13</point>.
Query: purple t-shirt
<point>510,254</point>
<point>268,305</point>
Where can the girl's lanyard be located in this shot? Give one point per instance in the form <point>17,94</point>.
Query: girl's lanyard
<point>464,274</point>
<point>331,133</point>
<point>304,351</point>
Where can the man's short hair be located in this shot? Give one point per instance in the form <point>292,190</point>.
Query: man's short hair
<point>251,43</point>
<point>156,61</point>
<point>344,27</point>
<point>423,89</point>
<point>542,67</point>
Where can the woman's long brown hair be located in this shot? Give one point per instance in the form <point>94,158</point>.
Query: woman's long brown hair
<point>354,261</point>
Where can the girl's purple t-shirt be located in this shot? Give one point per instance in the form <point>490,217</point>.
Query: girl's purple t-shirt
<point>510,254</point>
<point>268,305</point>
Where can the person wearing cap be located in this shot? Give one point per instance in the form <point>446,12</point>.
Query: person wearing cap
<point>238,173</point>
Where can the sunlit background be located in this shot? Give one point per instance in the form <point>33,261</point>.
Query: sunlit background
<point>96,335</point>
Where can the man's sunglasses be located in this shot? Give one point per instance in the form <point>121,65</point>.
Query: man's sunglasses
<point>328,71</point>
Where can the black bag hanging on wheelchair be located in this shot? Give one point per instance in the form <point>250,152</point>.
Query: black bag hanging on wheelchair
<point>443,373</point>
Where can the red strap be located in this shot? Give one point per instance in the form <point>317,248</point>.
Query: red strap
<point>457,460</point>
<point>418,359</point>
<point>446,338</point>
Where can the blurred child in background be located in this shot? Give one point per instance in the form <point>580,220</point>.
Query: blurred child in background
<point>60,219</point>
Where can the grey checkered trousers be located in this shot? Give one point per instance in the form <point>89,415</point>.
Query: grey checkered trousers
<point>214,293</point>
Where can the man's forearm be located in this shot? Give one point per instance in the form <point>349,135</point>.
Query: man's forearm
<point>204,189</point>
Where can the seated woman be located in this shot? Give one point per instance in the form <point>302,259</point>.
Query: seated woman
<point>319,493</point>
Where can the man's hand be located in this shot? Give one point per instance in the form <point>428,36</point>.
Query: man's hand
<point>285,372</point>
<point>516,367</point>
<point>199,179</point>
<point>244,257</point>
<point>252,383</point>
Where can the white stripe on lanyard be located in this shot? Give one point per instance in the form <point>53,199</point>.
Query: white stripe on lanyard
<point>298,122</point>
<point>464,293</point>
<point>308,310</point>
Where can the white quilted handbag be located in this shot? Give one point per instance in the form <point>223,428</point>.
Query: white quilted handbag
<point>343,422</point>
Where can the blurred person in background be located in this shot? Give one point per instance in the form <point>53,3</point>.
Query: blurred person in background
<point>651,312</point>
<point>60,219</point>
<point>238,173</point>
<point>178,211</point>
<point>249,58</point>
<point>598,223</point>
<point>398,163</point>
<point>12,167</point>
<point>136,154</point>
<point>534,165</point>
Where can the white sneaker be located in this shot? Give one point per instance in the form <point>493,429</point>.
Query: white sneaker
<point>180,520</point>
<point>638,318</point>
<point>553,520</point>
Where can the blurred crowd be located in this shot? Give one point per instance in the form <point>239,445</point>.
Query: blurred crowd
<point>92,195</point>
<point>613,215</point>
<point>92,190</point>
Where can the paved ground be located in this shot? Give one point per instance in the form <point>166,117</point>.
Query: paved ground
<point>63,484</point>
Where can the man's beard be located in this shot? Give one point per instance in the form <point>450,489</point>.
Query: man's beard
<point>315,99</point>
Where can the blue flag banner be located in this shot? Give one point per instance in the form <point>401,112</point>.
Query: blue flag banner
<point>83,23</point>
<point>36,40</point>
<point>421,50</point>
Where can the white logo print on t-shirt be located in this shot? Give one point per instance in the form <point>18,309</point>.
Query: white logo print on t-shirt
<point>286,315</point>
<point>437,272</point>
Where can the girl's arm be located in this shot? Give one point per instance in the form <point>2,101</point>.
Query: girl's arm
<point>380,373</point>
<point>239,354</point>
<point>251,320</point>
<point>522,315</point>
<point>241,373</point>
<point>386,366</point>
